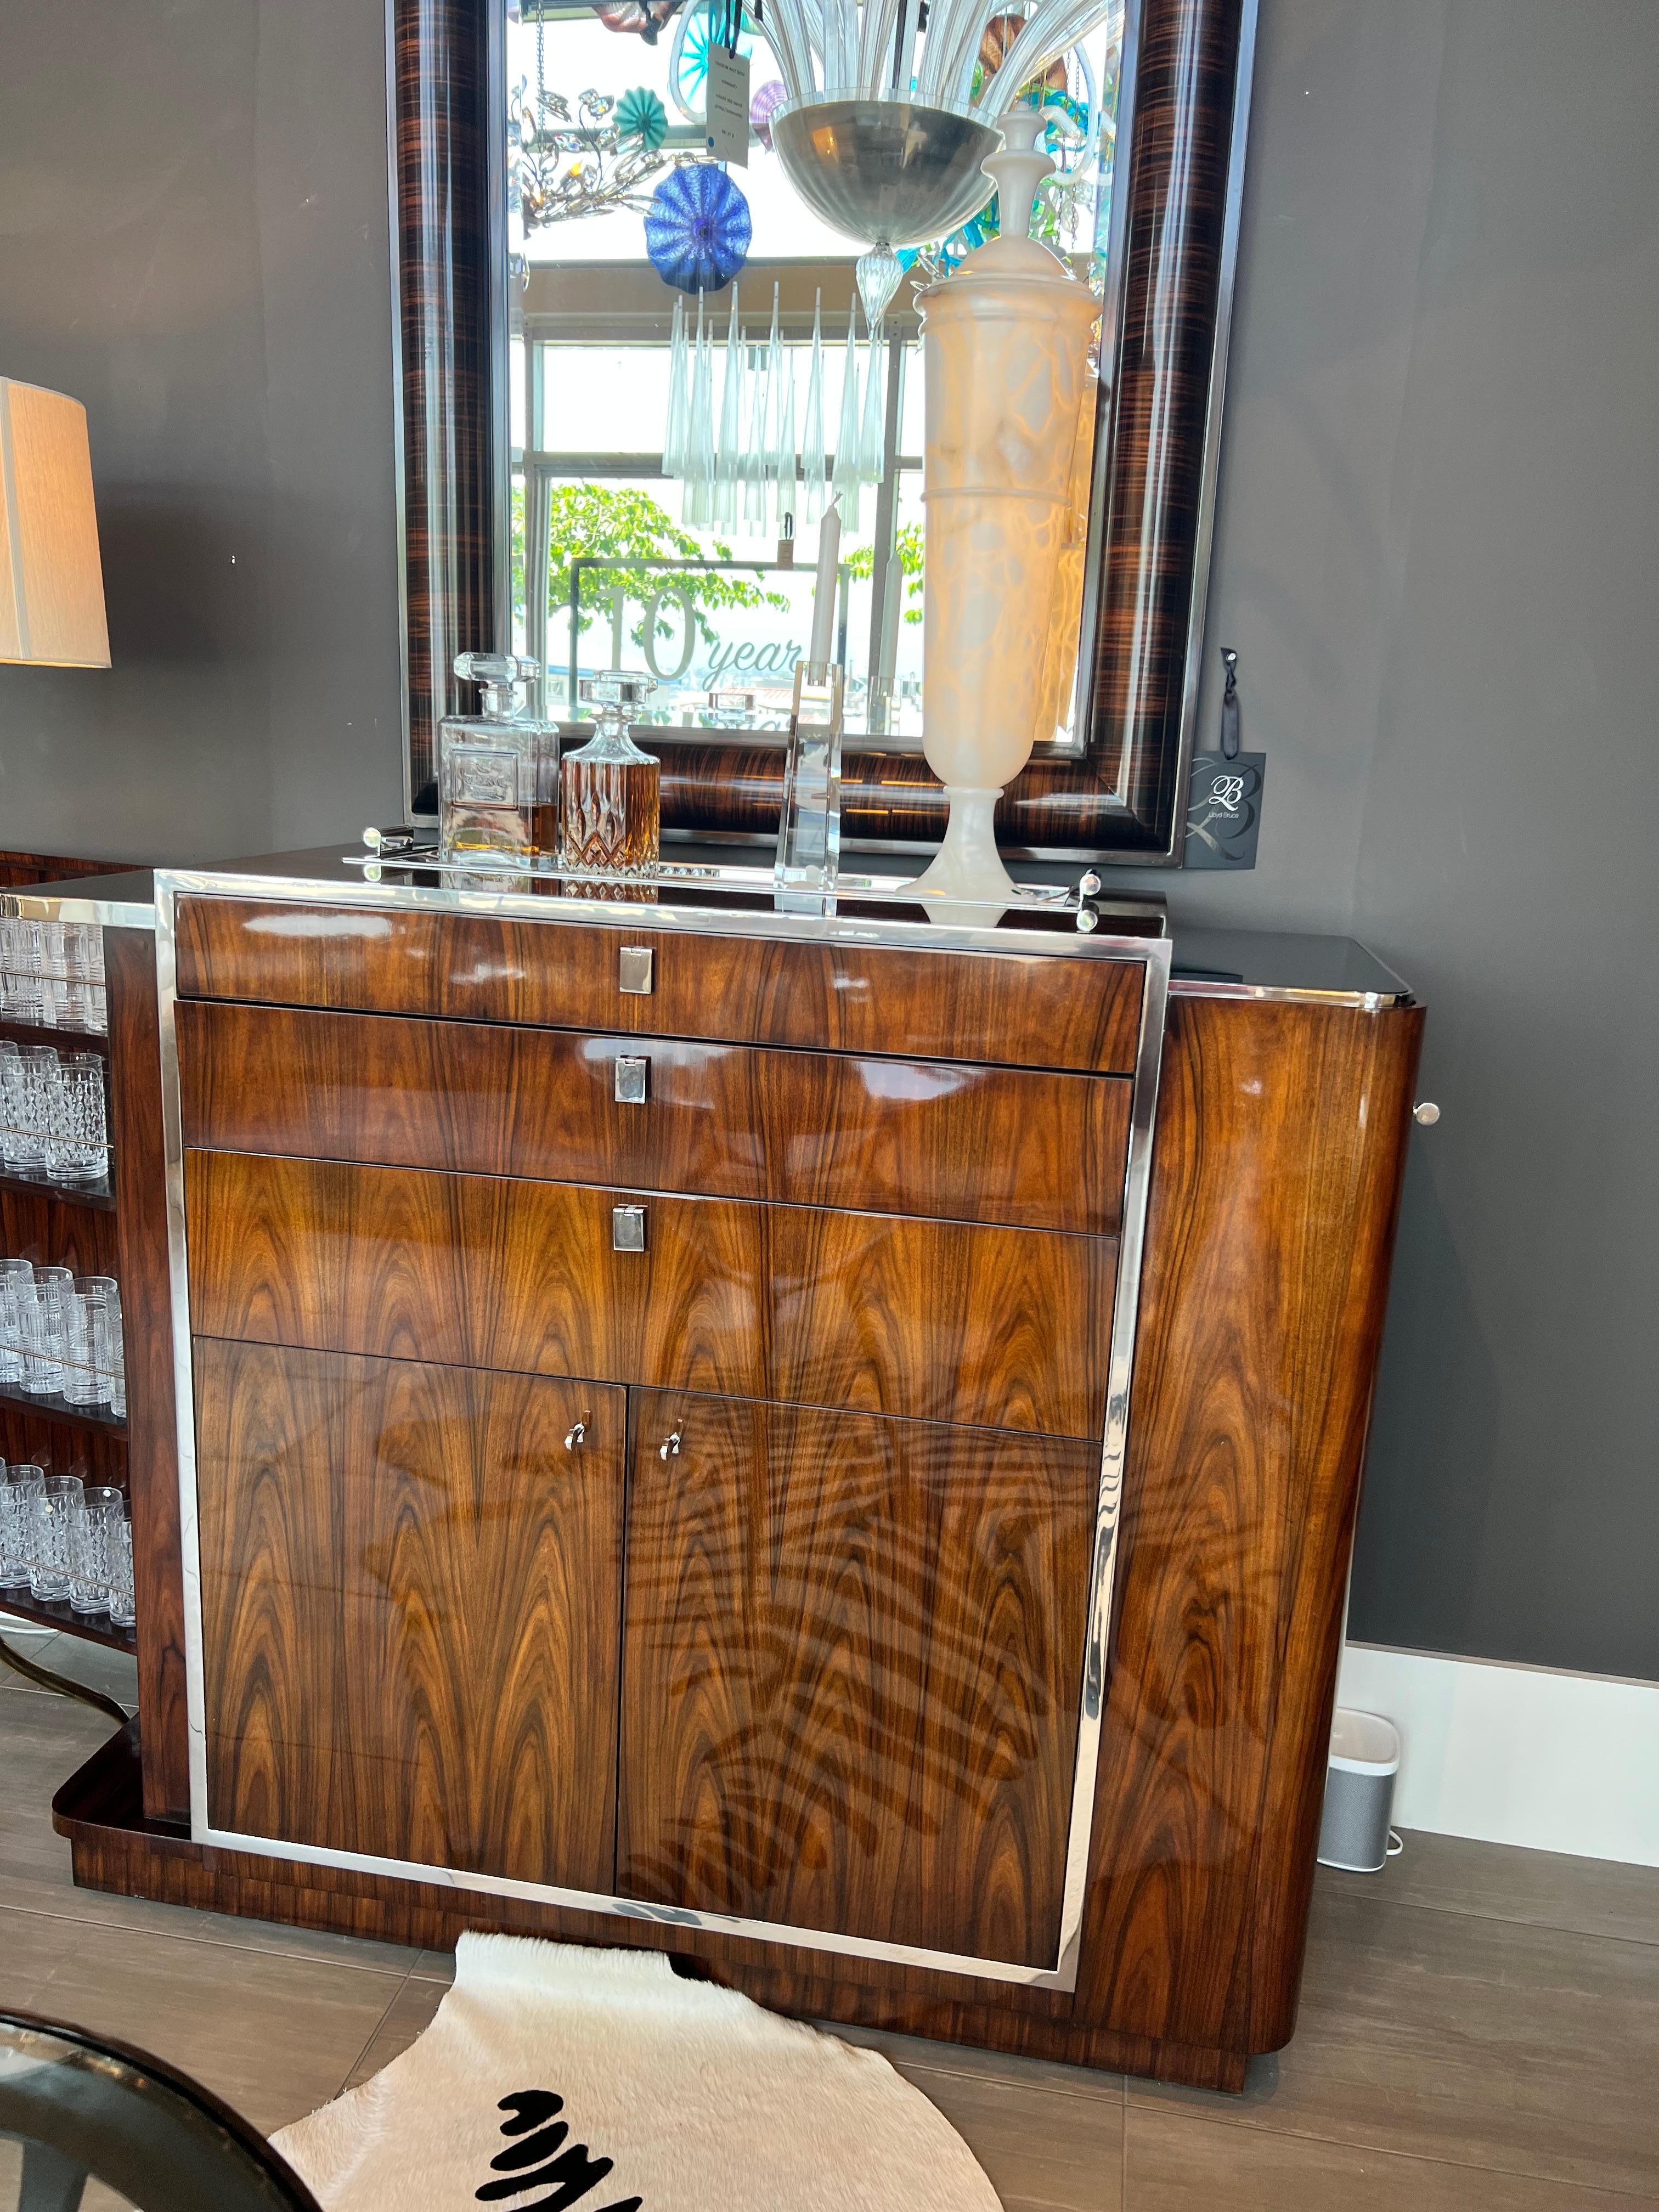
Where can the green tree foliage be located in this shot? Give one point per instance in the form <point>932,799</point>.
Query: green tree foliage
<point>907,542</point>
<point>617,522</point>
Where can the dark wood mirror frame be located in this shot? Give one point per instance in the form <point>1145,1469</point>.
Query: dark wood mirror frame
<point>1185,87</point>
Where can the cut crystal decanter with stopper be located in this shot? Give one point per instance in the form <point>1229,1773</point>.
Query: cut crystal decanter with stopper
<point>611,791</point>
<point>498,770</point>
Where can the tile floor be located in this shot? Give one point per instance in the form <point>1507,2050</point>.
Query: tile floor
<point>1480,2027</point>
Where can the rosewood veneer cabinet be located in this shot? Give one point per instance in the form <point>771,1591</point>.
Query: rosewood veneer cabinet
<point>830,1448</point>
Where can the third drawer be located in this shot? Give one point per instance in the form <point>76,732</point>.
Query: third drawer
<point>929,1319</point>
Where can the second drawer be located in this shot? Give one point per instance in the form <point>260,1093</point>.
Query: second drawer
<point>931,1319</point>
<point>1031,1149</point>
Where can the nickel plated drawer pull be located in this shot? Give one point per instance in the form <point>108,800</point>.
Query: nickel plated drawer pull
<point>633,965</point>
<point>670,1449</point>
<point>575,1437</point>
<point>632,1078</point>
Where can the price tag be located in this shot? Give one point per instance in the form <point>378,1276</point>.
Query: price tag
<point>1224,810</point>
<point>727,90</point>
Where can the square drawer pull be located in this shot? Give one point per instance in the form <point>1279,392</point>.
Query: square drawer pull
<point>634,969</point>
<point>628,1229</point>
<point>631,1080</point>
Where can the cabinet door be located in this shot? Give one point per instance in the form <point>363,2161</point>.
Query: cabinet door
<point>411,1588</point>
<point>851,1671</point>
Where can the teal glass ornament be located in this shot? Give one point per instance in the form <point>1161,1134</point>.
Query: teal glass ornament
<point>642,115</point>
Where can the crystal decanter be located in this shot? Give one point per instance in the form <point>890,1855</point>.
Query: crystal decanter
<point>498,771</point>
<point>610,791</point>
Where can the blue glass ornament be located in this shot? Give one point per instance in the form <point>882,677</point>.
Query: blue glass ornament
<point>697,228</point>
<point>642,115</point>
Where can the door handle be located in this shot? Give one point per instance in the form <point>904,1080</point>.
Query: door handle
<point>670,1448</point>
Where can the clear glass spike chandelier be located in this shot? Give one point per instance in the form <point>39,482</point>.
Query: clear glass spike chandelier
<point>893,106</point>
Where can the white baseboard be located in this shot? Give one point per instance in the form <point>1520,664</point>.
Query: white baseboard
<point>1527,1755</point>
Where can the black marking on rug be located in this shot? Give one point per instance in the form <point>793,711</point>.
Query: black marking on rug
<point>571,2174</point>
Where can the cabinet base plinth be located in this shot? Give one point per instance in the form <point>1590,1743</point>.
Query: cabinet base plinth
<point>114,1847</point>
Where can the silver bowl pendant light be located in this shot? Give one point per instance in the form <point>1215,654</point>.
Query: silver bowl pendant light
<point>883,135</point>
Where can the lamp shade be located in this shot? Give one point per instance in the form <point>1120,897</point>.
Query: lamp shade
<point>51,586</point>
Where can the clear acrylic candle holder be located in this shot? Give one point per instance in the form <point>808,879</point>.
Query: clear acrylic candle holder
<point>808,826</point>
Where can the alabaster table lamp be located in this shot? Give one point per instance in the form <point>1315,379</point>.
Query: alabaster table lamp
<point>52,584</point>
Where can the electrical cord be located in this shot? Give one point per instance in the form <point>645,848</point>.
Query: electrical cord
<point>44,1679</point>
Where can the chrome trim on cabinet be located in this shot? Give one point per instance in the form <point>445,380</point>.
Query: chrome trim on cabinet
<point>1115,1447</point>
<point>109,913</point>
<point>1291,995</point>
<point>1152,954</point>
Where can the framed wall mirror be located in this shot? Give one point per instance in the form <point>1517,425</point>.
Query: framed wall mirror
<point>598,465</point>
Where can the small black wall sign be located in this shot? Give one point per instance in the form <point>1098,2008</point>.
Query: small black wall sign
<point>1224,810</point>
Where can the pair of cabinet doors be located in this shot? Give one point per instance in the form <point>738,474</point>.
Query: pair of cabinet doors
<point>813,1669</point>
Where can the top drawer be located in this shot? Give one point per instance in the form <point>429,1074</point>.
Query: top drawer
<point>1021,1009</point>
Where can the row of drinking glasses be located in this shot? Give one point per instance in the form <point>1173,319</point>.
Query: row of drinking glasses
<point>52,973</point>
<point>53,1121</point>
<point>61,1539</point>
<point>60,1336</point>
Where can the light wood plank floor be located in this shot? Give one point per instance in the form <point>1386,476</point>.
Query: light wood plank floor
<point>1480,2027</point>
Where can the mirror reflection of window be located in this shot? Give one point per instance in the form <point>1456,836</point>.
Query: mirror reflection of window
<point>666,500</point>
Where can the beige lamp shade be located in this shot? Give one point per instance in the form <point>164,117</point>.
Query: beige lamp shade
<point>52,584</point>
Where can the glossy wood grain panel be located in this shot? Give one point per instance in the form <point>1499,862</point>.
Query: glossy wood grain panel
<point>18,871</point>
<point>851,1665</point>
<point>1280,1144</point>
<point>31,1437</point>
<point>1003,1327</point>
<point>1037,1151</point>
<point>146,1315</point>
<point>37,1225</point>
<point>114,1848</point>
<point>410,1601</point>
<point>1019,1009</point>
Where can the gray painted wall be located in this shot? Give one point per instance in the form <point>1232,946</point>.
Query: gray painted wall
<point>194,241</point>
<point>1434,553</point>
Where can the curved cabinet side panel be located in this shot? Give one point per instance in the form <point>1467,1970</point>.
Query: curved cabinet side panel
<point>1280,1149</point>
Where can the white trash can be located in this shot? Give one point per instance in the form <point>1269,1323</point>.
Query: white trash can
<point>1359,1792</point>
